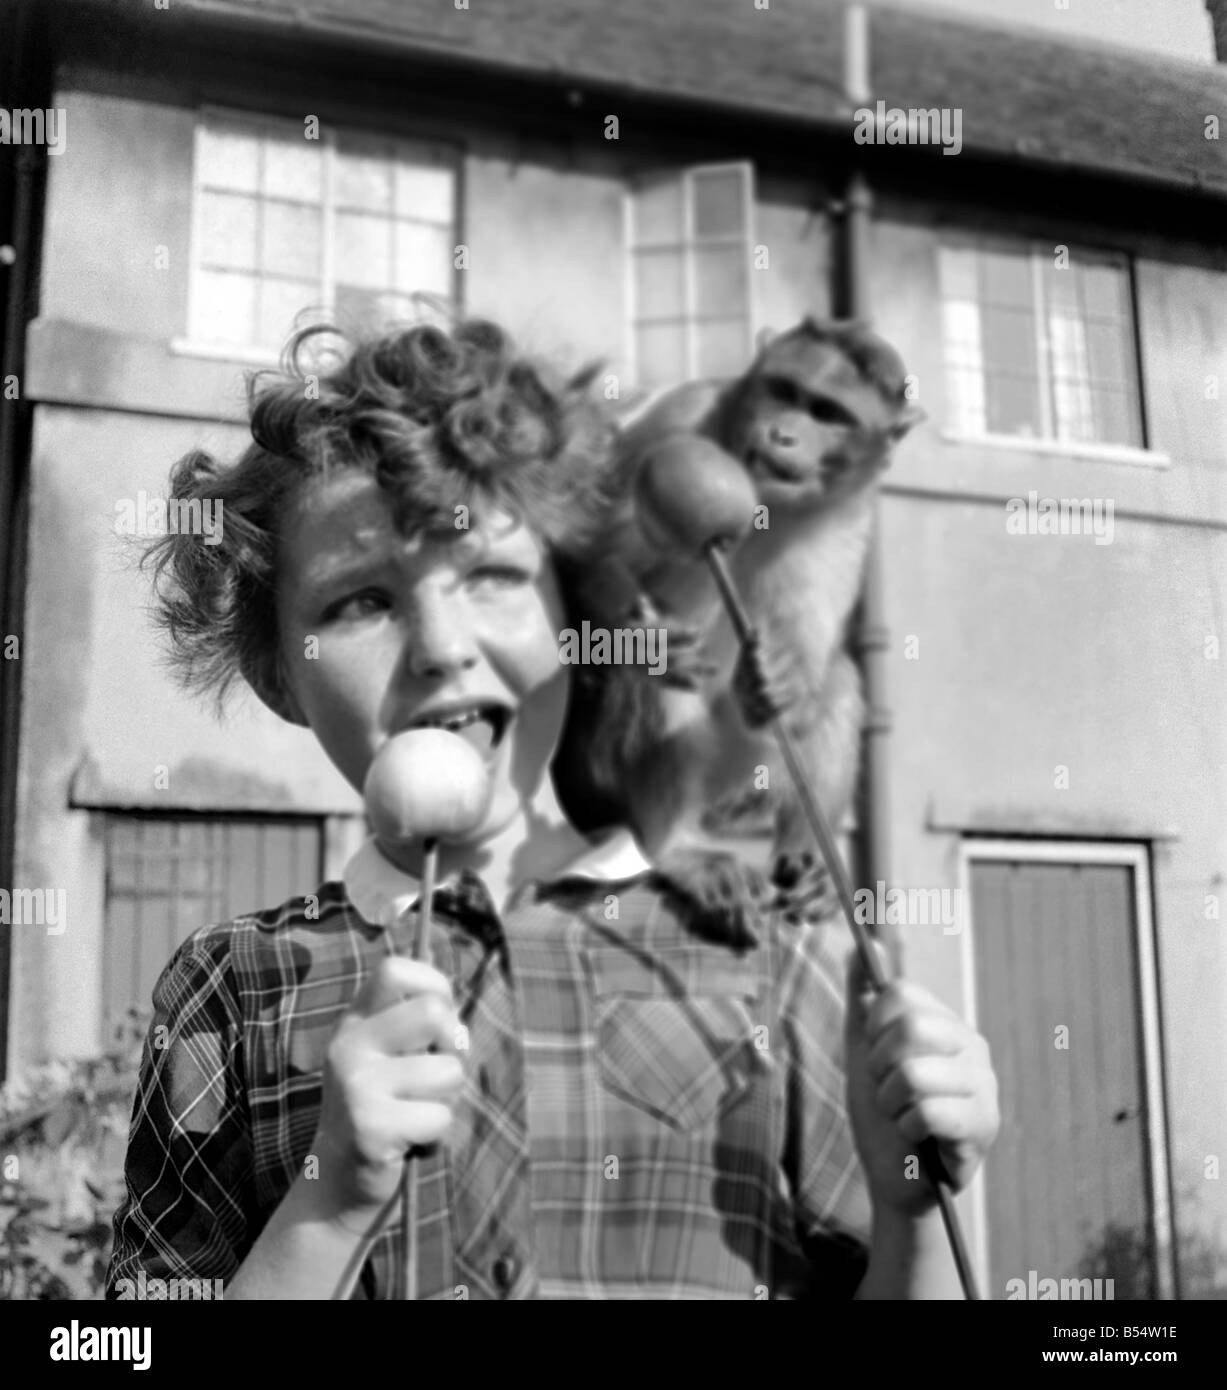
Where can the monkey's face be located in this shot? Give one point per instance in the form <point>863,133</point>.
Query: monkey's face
<point>809,425</point>
<point>800,446</point>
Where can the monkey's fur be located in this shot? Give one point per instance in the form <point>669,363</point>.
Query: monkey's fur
<point>813,422</point>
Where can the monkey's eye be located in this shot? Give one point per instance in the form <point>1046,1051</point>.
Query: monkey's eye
<point>783,389</point>
<point>829,412</point>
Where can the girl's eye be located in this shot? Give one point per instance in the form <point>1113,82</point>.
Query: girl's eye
<point>359,605</point>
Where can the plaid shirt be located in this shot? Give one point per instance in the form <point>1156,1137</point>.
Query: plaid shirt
<point>644,1115</point>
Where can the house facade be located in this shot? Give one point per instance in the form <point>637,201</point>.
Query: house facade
<point>654,191</point>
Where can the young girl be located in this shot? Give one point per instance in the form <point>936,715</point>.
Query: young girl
<point>615,1105</point>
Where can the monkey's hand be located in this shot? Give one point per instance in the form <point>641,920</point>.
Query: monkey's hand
<point>763,687</point>
<point>719,894</point>
<point>686,662</point>
<point>805,887</point>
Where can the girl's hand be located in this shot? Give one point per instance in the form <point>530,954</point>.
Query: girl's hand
<point>915,1070</point>
<point>391,1078</point>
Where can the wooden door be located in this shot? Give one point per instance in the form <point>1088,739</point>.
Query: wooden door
<point>168,875</point>
<point>1069,1185</point>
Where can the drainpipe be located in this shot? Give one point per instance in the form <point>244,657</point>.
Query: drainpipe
<point>25,83</point>
<point>871,636</point>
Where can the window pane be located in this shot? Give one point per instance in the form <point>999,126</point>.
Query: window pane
<point>226,307</point>
<point>962,335</point>
<point>718,202</point>
<point>227,158</point>
<point>1103,290</point>
<point>364,250</point>
<point>662,352</point>
<point>281,302</point>
<point>658,211</point>
<point>1106,351</point>
<point>1116,417</point>
<point>724,349</point>
<point>291,240</point>
<point>1006,278</point>
<point>1013,406</point>
<point>966,401</point>
<point>293,169</point>
<point>1075,418</point>
<point>659,290</point>
<point>425,193</point>
<point>398,309</point>
<point>1061,289</point>
<point>958,271</point>
<point>363,181</point>
<point>423,258</point>
<point>228,230</point>
<point>360,308</point>
<point>720,281</point>
<point>1009,340</point>
<point>1067,347</point>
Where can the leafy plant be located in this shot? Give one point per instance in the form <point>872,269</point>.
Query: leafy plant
<point>63,1131</point>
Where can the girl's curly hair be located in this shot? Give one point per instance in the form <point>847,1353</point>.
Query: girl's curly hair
<point>440,419</point>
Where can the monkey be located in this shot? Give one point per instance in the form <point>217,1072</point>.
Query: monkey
<point>682,756</point>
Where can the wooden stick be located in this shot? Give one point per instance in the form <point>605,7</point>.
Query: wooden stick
<point>930,1155</point>
<point>409,1171</point>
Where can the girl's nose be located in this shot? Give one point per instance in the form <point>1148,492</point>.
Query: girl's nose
<point>439,643</point>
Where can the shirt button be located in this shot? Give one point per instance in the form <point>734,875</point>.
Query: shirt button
<point>504,1271</point>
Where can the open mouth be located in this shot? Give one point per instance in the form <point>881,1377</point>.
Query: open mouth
<point>483,725</point>
<point>762,462</point>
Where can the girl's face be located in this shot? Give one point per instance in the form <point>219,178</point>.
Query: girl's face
<point>460,631</point>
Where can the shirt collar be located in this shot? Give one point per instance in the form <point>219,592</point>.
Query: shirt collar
<point>382,892</point>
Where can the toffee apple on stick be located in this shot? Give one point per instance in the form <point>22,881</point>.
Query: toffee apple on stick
<point>697,498</point>
<point>424,785</point>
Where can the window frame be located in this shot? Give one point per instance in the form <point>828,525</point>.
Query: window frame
<point>689,319</point>
<point>1047,442</point>
<point>255,123</point>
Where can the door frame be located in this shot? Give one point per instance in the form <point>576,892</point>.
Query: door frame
<point>1137,857</point>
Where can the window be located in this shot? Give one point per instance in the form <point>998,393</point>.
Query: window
<point>166,876</point>
<point>1038,348</point>
<point>348,225</point>
<point>691,242</point>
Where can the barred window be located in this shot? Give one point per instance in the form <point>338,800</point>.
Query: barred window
<point>691,240</point>
<point>1039,346</point>
<point>288,229</point>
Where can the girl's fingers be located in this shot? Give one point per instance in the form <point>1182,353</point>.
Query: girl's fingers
<point>424,1077</point>
<point>948,1119</point>
<point>917,1033</point>
<point>409,1123</point>
<point>918,1079</point>
<point>427,1022</point>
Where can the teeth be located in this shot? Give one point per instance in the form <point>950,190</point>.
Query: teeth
<point>453,723</point>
